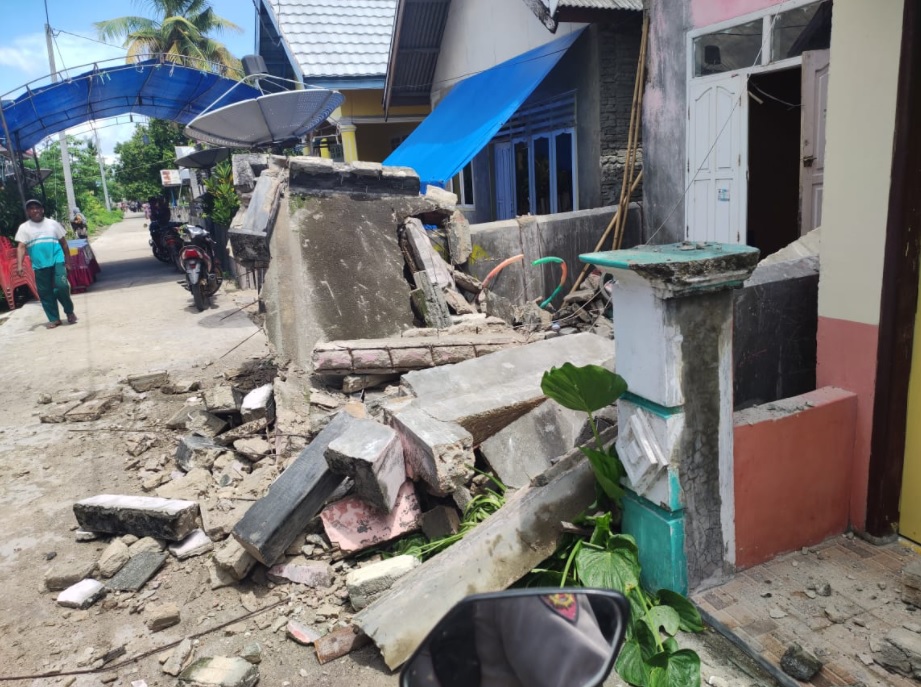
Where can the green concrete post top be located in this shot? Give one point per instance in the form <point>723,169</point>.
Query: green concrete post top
<point>681,267</point>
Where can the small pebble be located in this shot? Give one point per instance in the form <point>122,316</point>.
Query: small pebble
<point>881,585</point>
<point>777,614</point>
<point>860,622</point>
<point>811,594</point>
<point>766,595</point>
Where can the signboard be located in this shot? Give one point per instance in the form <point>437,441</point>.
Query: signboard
<point>170,177</point>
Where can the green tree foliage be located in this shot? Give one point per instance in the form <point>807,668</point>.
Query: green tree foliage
<point>222,200</point>
<point>84,171</point>
<point>180,30</point>
<point>150,149</point>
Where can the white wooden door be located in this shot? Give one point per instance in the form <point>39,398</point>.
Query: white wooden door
<point>717,162</point>
<point>812,169</point>
<point>505,181</point>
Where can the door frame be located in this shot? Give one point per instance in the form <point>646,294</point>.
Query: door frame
<point>899,300</point>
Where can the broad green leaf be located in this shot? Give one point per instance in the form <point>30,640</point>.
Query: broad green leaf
<point>690,616</point>
<point>628,543</point>
<point>670,644</point>
<point>664,617</point>
<point>588,388</point>
<point>647,641</point>
<point>682,667</point>
<point>607,569</point>
<point>608,472</point>
<point>630,665</point>
<point>658,677</point>
<point>602,532</point>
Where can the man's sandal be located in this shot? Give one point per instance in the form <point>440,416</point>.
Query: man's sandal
<point>52,325</point>
<point>72,318</point>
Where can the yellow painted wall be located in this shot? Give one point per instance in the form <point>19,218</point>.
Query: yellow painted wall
<point>865,44</point>
<point>375,140</point>
<point>910,507</point>
<point>367,103</point>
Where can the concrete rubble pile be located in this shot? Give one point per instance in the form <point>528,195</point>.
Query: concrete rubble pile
<point>283,491</point>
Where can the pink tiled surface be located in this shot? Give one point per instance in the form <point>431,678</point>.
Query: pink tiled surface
<point>865,602</point>
<point>353,525</point>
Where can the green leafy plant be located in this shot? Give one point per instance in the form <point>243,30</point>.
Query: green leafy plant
<point>224,202</point>
<point>650,656</point>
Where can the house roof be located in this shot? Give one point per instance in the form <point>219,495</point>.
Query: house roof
<point>332,39</point>
<point>418,31</point>
<point>600,4</point>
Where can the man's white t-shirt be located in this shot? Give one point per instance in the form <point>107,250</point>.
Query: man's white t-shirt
<point>42,240</point>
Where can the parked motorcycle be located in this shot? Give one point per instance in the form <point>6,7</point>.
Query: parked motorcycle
<point>165,241</point>
<point>548,637</point>
<point>197,259</point>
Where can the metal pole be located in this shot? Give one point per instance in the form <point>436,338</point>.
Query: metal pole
<point>62,137</point>
<point>102,171</point>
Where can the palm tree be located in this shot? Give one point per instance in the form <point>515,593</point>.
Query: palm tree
<point>180,33</point>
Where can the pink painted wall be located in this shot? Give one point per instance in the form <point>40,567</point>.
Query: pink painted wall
<point>847,360</point>
<point>706,12</point>
<point>792,473</point>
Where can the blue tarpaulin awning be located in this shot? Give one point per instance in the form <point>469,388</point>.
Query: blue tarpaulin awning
<point>471,114</point>
<point>151,88</point>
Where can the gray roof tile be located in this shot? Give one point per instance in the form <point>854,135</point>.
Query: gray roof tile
<point>337,38</point>
<point>603,4</point>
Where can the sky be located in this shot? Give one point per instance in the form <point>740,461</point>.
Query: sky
<point>24,52</point>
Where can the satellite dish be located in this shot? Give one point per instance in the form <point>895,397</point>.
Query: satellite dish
<point>203,159</point>
<point>265,120</point>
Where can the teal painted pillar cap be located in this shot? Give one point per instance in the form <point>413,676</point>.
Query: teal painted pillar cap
<point>681,268</point>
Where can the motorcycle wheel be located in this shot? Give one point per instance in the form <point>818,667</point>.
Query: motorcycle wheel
<point>198,294</point>
<point>160,256</point>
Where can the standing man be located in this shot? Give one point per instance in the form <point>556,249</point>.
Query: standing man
<point>50,257</point>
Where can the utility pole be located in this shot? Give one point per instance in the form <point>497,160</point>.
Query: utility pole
<point>102,171</point>
<point>62,137</point>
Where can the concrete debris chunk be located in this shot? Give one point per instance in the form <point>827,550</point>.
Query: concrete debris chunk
<point>233,559</point>
<point>162,616</point>
<point>309,573</point>
<point>370,581</point>
<point>247,429</point>
<point>355,526</point>
<point>899,651</point>
<point>457,303</point>
<point>196,451</point>
<point>113,558</point>
<point>200,421</point>
<point>272,523</point>
<point>338,643</point>
<point>252,652</point>
<point>188,487</point>
<point>140,444</point>
<point>911,583</point>
<point>137,572</point>
<point>372,455</point>
<point>139,515</point>
<point>258,404</point>
<point>425,255</point>
<point>223,399</point>
<point>353,383</point>
<point>429,301</point>
<point>64,574</point>
<point>441,521</point>
<point>83,594</point>
<point>178,658</point>
<point>220,671</point>
<point>252,449</point>
<point>180,386</point>
<point>460,246</point>
<point>301,633</point>
<point>148,380</point>
<point>145,544</point>
<point>799,663</point>
<point>438,453</point>
<point>90,411</point>
<point>195,544</point>
<point>56,414</point>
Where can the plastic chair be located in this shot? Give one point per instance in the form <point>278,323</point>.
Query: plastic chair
<point>9,280</point>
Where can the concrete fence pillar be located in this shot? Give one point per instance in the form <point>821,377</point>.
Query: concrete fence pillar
<point>673,345</point>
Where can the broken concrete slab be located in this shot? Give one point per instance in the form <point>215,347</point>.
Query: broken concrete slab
<point>137,571</point>
<point>223,399</point>
<point>372,455</point>
<point>911,583</point>
<point>148,380</point>
<point>307,573</point>
<point>302,633</point>
<point>190,487</point>
<point>145,544</point>
<point>243,431</point>
<point>490,557</point>
<point>424,254</point>
<point>220,671</point>
<point>436,452</point>
<point>64,574</point>
<point>83,594</point>
<point>195,544</point>
<point>271,524</point>
<point>404,354</point>
<point>177,659</point>
<point>441,521</point>
<point>354,526</point>
<point>258,404</point>
<point>196,451</point>
<point>113,558</point>
<point>139,515</point>
<point>89,411</point>
<point>180,386</point>
<point>457,303</point>
<point>899,651</point>
<point>353,383</point>
<point>200,421</point>
<point>489,393</point>
<point>429,301</point>
<point>253,449</point>
<point>219,516</point>
<point>56,414</point>
<point>526,447</point>
<point>251,231</point>
<point>370,581</point>
<point>339,642</point>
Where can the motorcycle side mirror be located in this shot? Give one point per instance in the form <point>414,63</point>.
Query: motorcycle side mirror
<point>546,637</point>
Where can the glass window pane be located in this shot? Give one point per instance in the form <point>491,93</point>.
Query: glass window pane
<point>468,184</point>
<point>737,47</point>
<point>805,28</point>
<point>542,175</point>
<point>564,177</point>
<point>522,179</point>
